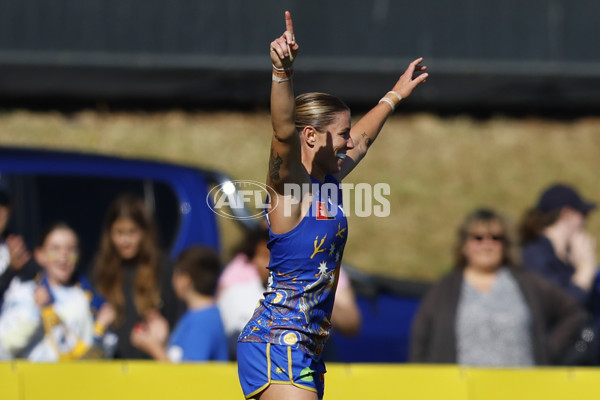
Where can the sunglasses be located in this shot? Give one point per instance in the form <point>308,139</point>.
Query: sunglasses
<point>480,238</point>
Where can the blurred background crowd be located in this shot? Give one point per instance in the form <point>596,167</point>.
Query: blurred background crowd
<point>492,168</point>
<point>509,301</point>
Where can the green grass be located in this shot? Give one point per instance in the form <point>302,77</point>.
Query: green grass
<point>438,168</point>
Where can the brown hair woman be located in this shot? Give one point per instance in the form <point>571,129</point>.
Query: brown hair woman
<point>128,270</point>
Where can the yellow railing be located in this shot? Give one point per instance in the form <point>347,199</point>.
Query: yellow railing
<point>113,380</point>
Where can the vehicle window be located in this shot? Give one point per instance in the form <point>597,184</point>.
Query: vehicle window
<point>82,202</point>
<point>231,230</point>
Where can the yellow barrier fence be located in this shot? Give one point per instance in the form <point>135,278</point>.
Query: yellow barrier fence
<point>113,380</point>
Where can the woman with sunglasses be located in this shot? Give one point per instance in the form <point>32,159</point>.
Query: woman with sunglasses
<point>489,312</point>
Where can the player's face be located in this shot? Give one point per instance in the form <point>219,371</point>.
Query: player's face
<point>334,143</point>
<point>126,236</point>
<point>484,246</point>
<point>58,255</point>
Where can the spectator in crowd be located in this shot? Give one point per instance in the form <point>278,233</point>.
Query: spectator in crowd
<point>555,243</point>
<point>14,255</point>
<point>51,318</point>
<point>199,335</point>
<point>489,312</point>
<point>245,279</point>
<point>243,283</point>
<point>130,273</point>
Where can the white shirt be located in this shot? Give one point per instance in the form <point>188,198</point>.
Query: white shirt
<point>21,329</point>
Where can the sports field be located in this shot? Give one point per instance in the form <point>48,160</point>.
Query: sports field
<point>438,168</point>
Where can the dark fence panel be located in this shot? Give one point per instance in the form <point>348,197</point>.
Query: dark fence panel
<point>481,53</point>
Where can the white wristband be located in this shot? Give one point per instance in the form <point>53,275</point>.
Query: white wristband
<point>278,79</point>
<point>390,102</point>
<point>396,94</point>
<point>280,69</point>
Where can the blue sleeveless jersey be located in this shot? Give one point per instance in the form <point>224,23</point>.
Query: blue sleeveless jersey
<point>304,269</point>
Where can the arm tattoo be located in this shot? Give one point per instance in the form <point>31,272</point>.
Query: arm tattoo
<point>274,165</point>
<point>368,140</point>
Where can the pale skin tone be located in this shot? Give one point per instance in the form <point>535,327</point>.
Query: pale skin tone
<point>106,315</point>
<point>151,337</point>
<point>126,236</point>
<point>484,257</point>
<point>297,155</point>
<point>19,255</point>
<point>58,257</point>
<point>573,245</point>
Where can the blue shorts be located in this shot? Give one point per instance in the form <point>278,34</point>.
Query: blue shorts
<point>260,364</point>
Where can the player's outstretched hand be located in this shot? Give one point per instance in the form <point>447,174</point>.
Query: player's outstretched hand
<point>284,49</point>
<point>413,76</point>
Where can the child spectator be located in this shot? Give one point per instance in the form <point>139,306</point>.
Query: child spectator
<point>199,334</point>
<point>50,318</point>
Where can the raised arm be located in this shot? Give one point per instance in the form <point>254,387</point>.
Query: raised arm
<point>285,158</point>
<point>366,130</point>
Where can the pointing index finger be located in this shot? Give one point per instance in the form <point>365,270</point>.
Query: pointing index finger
<point>289,26</point>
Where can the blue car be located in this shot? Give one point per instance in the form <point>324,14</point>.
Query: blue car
<point>78,188</point>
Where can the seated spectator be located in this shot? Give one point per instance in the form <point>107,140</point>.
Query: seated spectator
<point>199,334</point>
<point>50,318</point>
<point>14,256</point>
<point>129,273</point>
<point>489,312</point>
<point>245,279</point>
<point>555,243</point>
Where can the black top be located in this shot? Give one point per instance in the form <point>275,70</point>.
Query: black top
<point>539,256</point>
<point>556,319</point>
<point>170,308</point>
